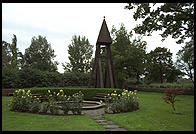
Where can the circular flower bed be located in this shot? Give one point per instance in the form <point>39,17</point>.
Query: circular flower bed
<point>60,103</point>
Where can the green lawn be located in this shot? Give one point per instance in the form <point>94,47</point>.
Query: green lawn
<point>155,115</point>
<point>16,121</point>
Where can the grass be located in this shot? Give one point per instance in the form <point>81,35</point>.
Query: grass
<point>156,115</point>
<point>18,121</point>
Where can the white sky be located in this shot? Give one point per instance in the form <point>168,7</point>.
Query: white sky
<point>58,22</point>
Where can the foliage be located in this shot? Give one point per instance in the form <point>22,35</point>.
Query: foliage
<point>75,79</point>
<point>76,105</point>
<point>170,96</point>
<point>128,56</point>
<point>9,78</point>
<point>40,55</point>
<point>176,19</point>
<point>160,66</point>
<point>23,101</point>
<point>5,54</point>
<point>185,59</point>
<point>80,53</point>
<point>124,102</point>
<point>11,57</point>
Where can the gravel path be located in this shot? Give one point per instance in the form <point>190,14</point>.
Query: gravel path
<point>97,115</point>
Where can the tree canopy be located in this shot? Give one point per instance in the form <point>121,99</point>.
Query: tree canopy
<point>160,66</point>
<point>80,55</point>
<point>11,57</point>
<point>185,59</point>
<point>128,55</point>
<point>175,19</point>
<point>40,55</point>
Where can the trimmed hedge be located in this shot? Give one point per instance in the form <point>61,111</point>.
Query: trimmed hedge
<point>187,91</point>
<point>89,93</point>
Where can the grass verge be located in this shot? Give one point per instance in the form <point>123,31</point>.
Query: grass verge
<point>155,115</point>
<point>18,121</point>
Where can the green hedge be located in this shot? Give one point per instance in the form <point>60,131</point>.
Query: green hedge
<point>89,93</point>
<point>187,91</point>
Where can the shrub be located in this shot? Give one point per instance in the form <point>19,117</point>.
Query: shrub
<point>35,106</point>
<point>170,96</point>
<point>21,101</point>
<point>9,78</point>
<point>124,102</point>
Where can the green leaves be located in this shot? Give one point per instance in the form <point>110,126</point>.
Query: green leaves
<point>176,19</point>
<point>185,59</point>
<point>40,55</point>
<point>80,55</point>
<point>160,66</point>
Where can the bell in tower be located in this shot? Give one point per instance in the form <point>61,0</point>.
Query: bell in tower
<point>103,45</point>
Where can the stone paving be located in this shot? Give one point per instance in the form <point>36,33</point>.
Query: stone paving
<point>97,115</point>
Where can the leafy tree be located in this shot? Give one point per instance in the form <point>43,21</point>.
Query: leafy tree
<point>80,51</point>
<point>159,64</point>
<point>120,53</point>
<point>5,54</point>
<point>185,59</point>
<point>176,19</point>
<point>138,58</point>
<point>128,56</point>
<point>40,55</point>
<point>11,55</point>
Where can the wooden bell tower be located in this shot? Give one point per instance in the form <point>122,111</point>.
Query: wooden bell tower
<point>103,44</point>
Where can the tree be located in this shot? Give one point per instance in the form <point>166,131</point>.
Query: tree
<point>138,58</point>
<point>40,55</point>
<point>160,64</point>
<point>5,54</point>
<point>185,59</point>
<point>80,55</point>
<point>11,55</point>
<point>176,19</point>
<point>128,56</point>
<point>120,53</point>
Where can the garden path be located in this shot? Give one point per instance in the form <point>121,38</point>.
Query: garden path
<point>97,115</point>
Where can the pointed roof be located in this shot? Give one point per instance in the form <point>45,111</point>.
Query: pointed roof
<point>104,35</point>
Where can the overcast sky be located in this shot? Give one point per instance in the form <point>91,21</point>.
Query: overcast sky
<point>58,22</point>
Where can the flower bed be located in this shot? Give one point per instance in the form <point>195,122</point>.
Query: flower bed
<point>124,102</point>
<point>24,101</point>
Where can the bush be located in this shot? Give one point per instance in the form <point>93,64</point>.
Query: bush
<point>9,78</point>
<point>75,79</point>
<point>170,96</point>
<point>21,101</point>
